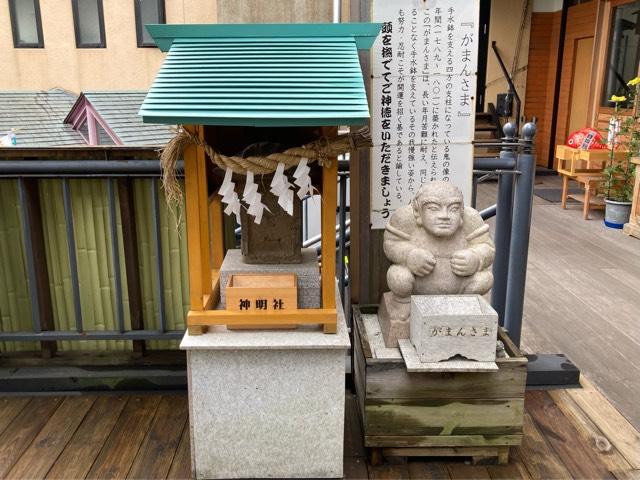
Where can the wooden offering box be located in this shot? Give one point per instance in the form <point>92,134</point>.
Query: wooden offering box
<point>479,415</point>
<point>262,292</point>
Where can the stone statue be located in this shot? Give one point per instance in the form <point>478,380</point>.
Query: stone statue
<point>436,246</point>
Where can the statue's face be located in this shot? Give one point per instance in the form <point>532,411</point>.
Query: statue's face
<point>441,217</point>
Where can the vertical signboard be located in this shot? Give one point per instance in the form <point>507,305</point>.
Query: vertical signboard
<point>423,99</point>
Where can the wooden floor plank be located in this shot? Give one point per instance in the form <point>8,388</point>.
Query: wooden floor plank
<point>159,446</point>
<point>181,464</point>
<point>590,434</point>
<point>507,472</point>
<point>563,437</point>
<point>122,445</point>
<point>462,471</point>
<point>627,474</point>
<point>427,470</point>
<point>17,437</point>
<point>36,461</point>
<point>389,471</point>
<point>581,296</point>
<point>355,468</point>
<point>516,459</point>
<point>536,454</point>
<point>10,407</point>
<point>617,429</point>
<point>78,456</point>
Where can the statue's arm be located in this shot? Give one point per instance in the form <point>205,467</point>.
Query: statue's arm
<point>397,237</point>
<point>478,238</point>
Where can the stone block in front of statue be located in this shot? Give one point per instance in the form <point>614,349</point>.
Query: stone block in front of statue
<point>447,326</point>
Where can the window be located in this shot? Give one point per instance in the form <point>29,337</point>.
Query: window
<point>147,11</point>
<point>103,137</point>
<point>624,51</point>
<point>26,23</point>
<point>88,20</point>
<point>84,130</point>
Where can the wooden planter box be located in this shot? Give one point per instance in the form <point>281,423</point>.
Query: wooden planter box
<point>435,414</point>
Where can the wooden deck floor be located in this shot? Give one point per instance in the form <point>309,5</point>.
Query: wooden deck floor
<point>568,434</point>
<point>583,296</point>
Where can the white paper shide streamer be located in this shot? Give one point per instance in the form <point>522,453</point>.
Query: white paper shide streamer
<point>253,199</point>
<point>303,180</point>
<point>229,196</point>
<point>281,188</point>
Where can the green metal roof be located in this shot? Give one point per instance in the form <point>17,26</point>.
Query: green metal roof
<point>260,75</point>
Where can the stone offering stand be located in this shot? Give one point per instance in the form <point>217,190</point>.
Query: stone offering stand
<point>259,108</point>
<point>475,414</point>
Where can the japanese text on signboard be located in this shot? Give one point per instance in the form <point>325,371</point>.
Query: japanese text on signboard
<point>423,99</point>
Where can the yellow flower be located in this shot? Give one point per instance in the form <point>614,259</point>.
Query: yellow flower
<point>616,98</point>
<point>633,82</point>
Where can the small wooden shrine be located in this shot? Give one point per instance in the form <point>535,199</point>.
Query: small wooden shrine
<point>229,87</point>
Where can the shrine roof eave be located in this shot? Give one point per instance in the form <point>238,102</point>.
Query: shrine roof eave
<point>164,35</point>
<point>260,75</point>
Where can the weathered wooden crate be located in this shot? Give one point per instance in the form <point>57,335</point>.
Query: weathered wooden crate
<point>435,414</point>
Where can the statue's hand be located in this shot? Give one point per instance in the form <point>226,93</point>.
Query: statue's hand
<point>421,262</point>
<point>464,263</point>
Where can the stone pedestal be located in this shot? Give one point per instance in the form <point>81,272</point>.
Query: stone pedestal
<point>308,274</point>
<point>267,404</point>
<point>277,239</point>
<point>394,319</point>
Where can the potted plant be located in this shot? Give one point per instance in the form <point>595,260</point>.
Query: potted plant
<point>624,135</point>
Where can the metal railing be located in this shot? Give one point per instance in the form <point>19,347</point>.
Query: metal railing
<point>117,175</point>
<point>512,88</point>
<point>514,166</point>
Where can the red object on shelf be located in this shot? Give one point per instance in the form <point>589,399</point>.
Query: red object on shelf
<point>586,139</point>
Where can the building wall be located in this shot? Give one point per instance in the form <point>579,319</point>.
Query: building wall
<point>121,65</point>
<point>581,23</point>
<point>270,11</point>
<point>541,78</point>
<point>504,29</point>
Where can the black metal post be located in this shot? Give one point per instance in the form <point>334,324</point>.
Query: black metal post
<point>519,244</point>
<point>502,237</point>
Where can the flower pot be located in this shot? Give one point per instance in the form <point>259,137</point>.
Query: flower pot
<point>616,214</point>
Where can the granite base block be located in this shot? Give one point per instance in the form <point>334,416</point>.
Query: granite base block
<point>267,414</point>
<point>267,404</point>
<point>308,274</point>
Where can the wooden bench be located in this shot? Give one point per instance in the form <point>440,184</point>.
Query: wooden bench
<point>589,199</point>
